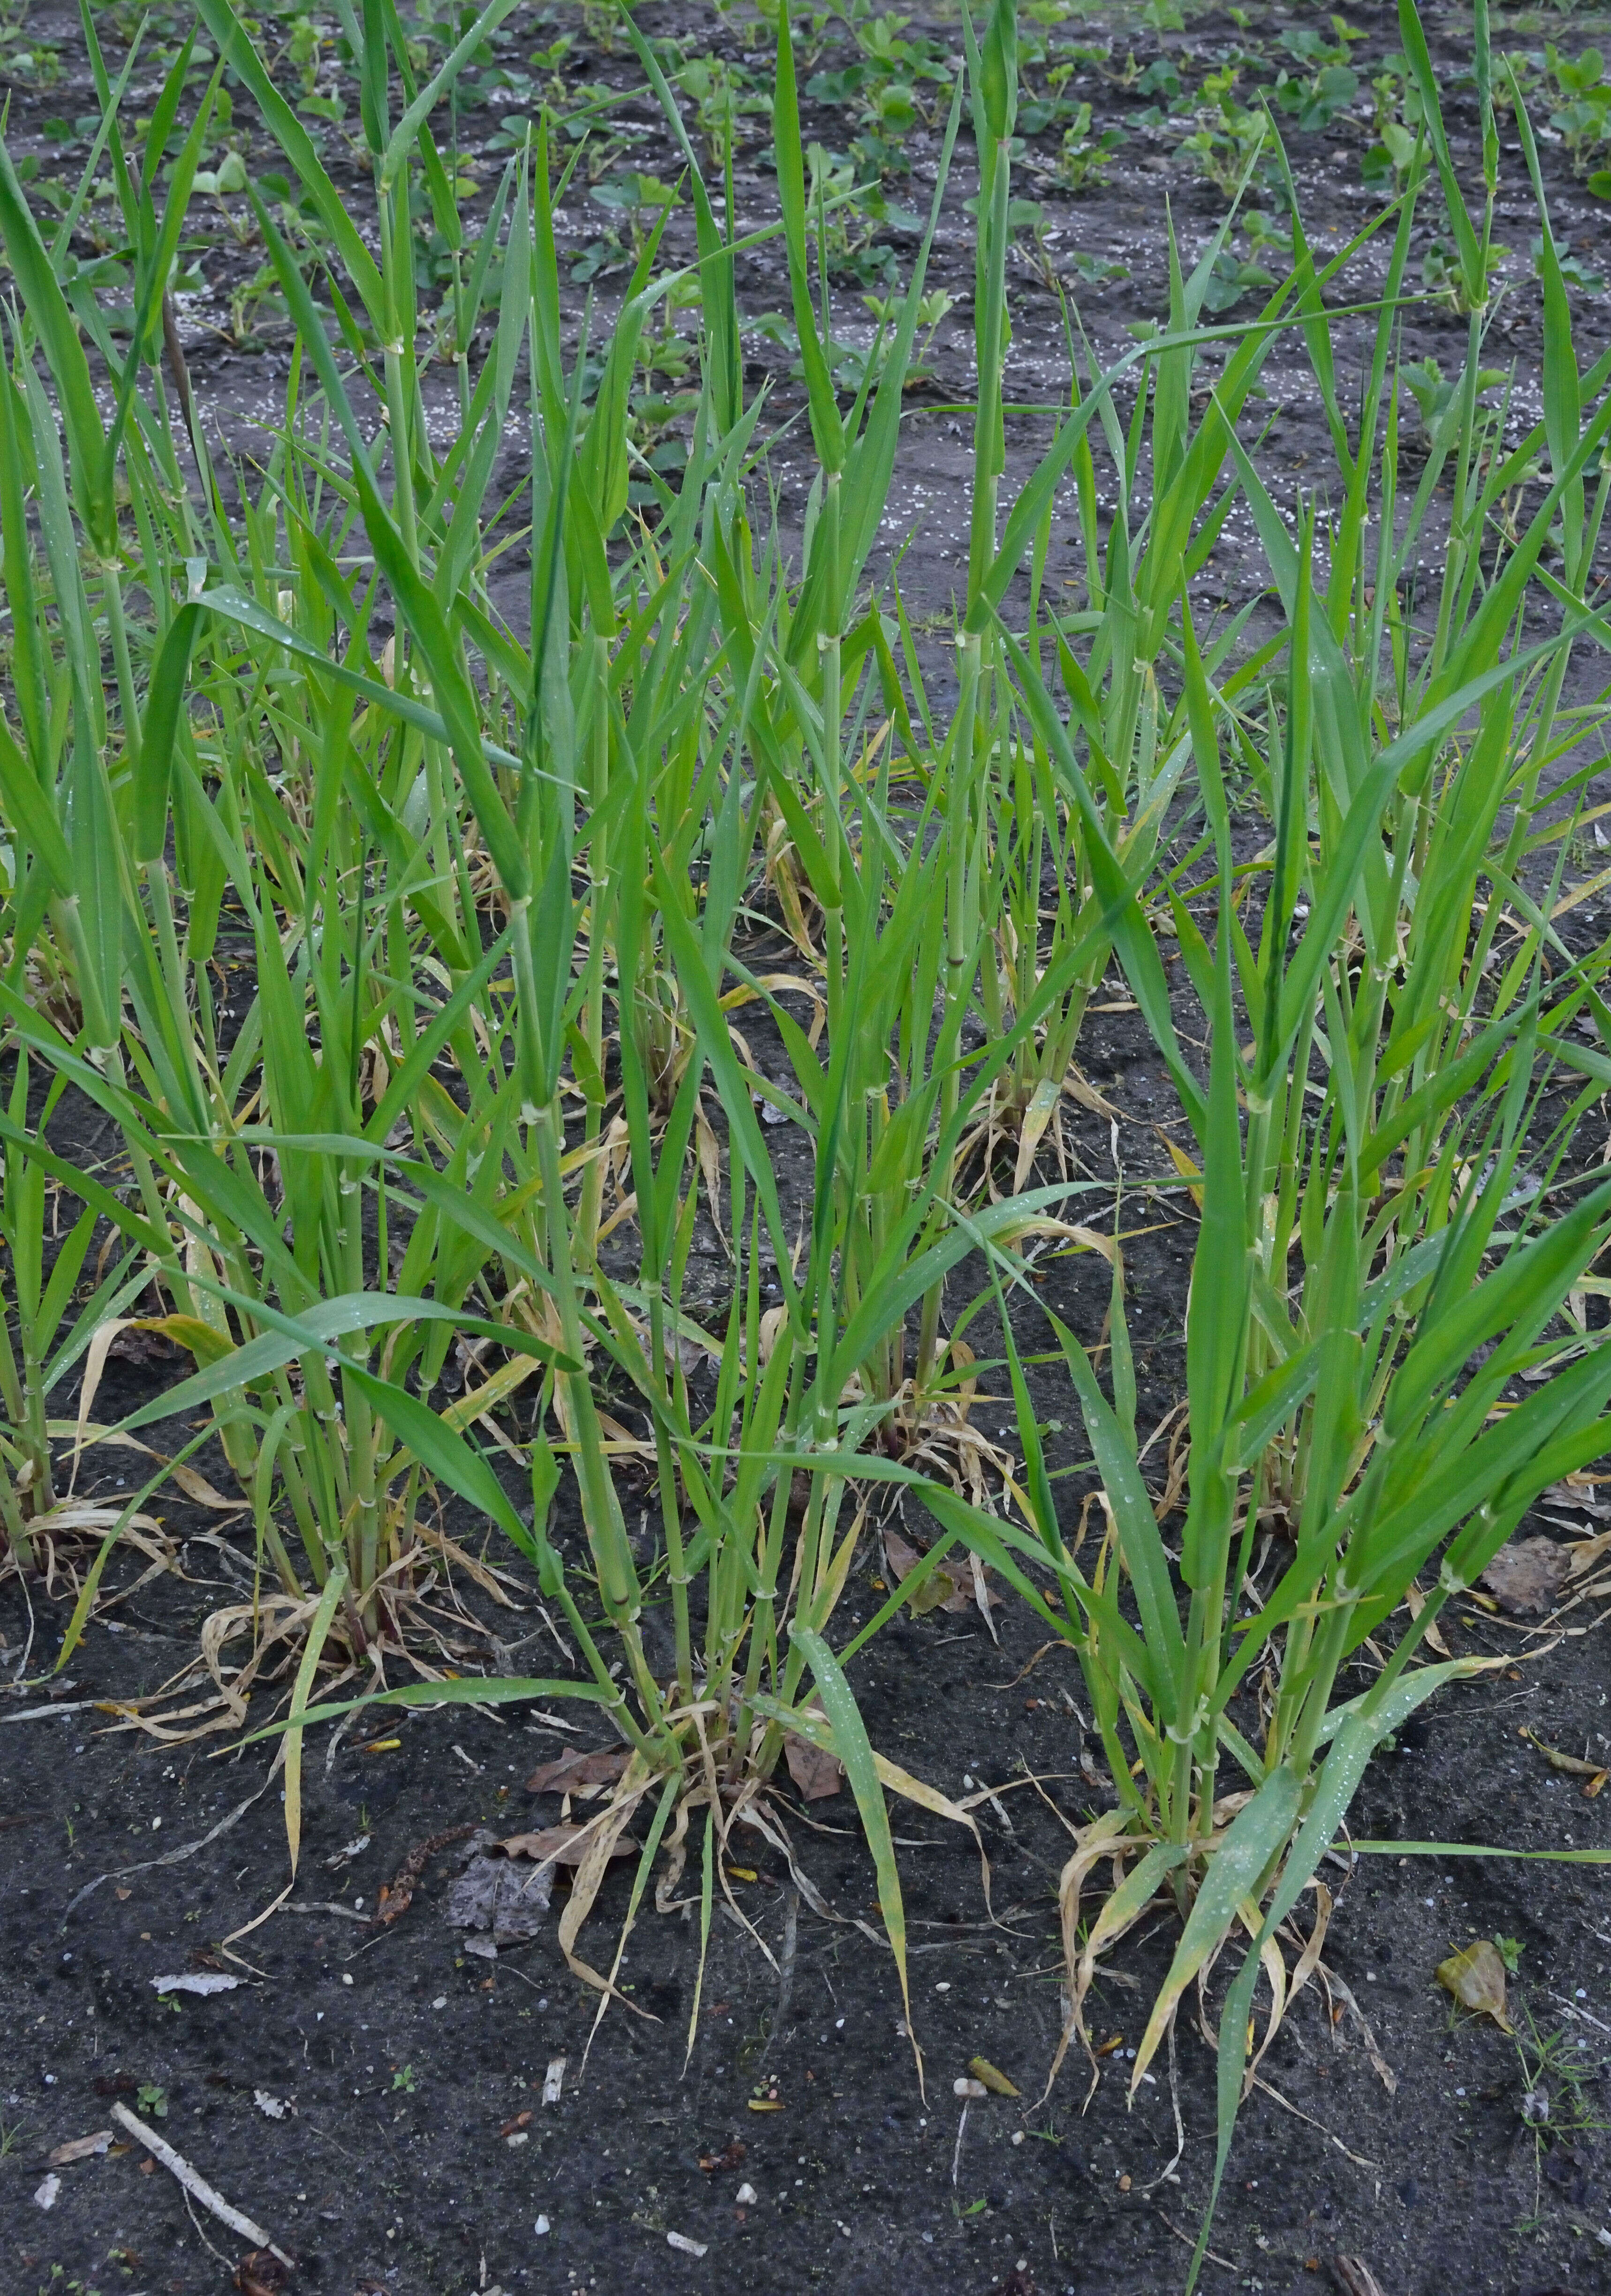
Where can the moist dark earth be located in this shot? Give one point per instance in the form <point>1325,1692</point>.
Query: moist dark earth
<point>372,2097</point>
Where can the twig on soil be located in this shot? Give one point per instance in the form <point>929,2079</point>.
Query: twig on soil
<point>196,2185</point>
<point>1354,2276</point>
<point>1573,2009</point>
<point>506,1968</point>
<point>190,2208</point>
<point>956,2158</point>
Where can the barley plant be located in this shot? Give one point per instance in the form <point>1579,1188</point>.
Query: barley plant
<point>493,862</point>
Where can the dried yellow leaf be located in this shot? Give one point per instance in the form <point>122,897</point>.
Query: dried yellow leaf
<point>995,2081</point>
<point>1476,1976</point>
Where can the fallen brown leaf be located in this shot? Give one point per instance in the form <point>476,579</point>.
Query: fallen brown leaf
<point>562,1845</point>
<point>1527,1574</point>
<point>79,2148</point>
<point>578,1773</point>
<point>818,1774</point>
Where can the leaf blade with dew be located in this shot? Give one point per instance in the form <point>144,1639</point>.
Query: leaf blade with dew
<point>1339,1778</point>
<point>403,135</point>
<point>1252,1843</point>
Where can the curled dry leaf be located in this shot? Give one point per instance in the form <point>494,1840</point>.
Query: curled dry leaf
<point>1527,1574</point>
<point>562,1845</point>
<point>261,2272</point>
<point>731,2156</point>
<point>79,2148</point>
<point>578,1772</point>
<point>994,2081</point>
<point>940,1591</point>
<point>198,1490</point>
<point>1476,1976</point>
<point>1575,1767</point>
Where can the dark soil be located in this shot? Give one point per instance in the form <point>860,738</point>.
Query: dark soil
<point>405,2063</point>
<point>404,2146</point>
